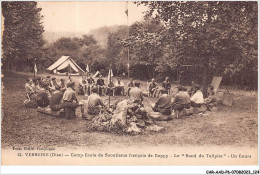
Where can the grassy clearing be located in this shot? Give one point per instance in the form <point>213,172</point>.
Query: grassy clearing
<point>236,125</point>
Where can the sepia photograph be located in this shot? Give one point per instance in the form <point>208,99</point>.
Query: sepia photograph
<point>129,83</point>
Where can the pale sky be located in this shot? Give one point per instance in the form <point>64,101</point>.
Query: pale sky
<point>84,16</point>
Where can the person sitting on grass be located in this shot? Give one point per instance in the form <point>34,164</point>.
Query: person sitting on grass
<point>39,80</point>
<point>95,103</point>
<point>152,88</point>
<point>192,89</point>
<point>70,101</point>
<point>110,88</point>
<point>53,84</point>
<point>100,84</point>
<point>62,85</point>
<point>211,100</point>
<point>35,86</point>
<point>166,87</point>
<point>130,85</point>
<point>31,95</point>
<point>82,88</point>
<point>136,94</point>
<point>197,99</point>
<point>185,91</point>
<point>163,104</point>
<point>69,80</point>
<point>181,100</point>
<point>48,80</point>
<point>55,100</point>
<point>30,92</point>
<point>119,87</point>
<point>43,95</point>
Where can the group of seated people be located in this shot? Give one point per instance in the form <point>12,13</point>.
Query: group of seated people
<point>47,91</point>
<point>87,84</point>
<point>184,100</point>
<point>155,91</point>
<point>166,103</point>
<point>59,95</point>
<point>96,104</point>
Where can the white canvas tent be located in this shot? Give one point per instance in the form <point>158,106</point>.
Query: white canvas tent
<point>63,63</point>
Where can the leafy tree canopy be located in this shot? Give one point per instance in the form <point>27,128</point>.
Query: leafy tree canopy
<point>22,35</point>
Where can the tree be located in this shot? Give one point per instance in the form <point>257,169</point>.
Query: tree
<point>219,36</point>
<point>84,50</point>
<point>146,44</point>
<point>116,53</point>
<point>22,35</point>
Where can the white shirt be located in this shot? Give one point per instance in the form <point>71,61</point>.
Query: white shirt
<point>197,97</point>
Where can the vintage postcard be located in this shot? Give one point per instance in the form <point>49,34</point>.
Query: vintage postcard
<point>129,83</point>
